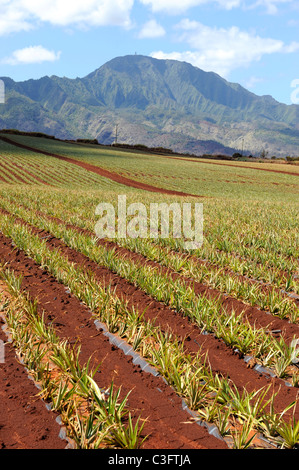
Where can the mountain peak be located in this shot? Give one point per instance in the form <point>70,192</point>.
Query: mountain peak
<point>161,101</point>
<point>154,80</point>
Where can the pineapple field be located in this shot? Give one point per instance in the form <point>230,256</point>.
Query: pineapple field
<point>137,342</point>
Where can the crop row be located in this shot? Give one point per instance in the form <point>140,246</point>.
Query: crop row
<point>270,299</point>
<point>23,167</point>
<point>84,286</point>
<point>208,313</point>
<point>266,297</point>
<point>280,270</point>
<point>93,417</point>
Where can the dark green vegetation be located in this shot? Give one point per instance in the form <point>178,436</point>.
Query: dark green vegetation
<point>156,103</point>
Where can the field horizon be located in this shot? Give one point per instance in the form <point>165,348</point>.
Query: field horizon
<point>134,341</point>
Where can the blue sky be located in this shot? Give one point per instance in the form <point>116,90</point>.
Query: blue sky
<point>251,42</point>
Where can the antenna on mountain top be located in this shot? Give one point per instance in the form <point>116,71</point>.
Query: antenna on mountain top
<point>116,129</point>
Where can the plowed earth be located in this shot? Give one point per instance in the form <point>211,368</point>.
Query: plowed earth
<point>25,422</point>
<point>73,320</point>
<point>271,170</point>
<point>101,171</point>
<point>255,316</point>
<point>168,426</point>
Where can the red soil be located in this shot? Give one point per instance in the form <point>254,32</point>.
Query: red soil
<point>168,425</point>
<point>38,180</point>
<point>235,166</point>
<point>102,172</point>
<point>222,359</point>
<point>25,422</point>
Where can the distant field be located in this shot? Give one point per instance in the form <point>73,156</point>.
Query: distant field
<point>22,166</point>
<point>205,178</point>
<point>262,165</point>
<point>210,334</point>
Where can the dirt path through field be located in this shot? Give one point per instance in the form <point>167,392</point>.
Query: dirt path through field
<point>102,172</point>
<point>256,316</point>
<point>25,422</point>
<point>222,359</point>
<point>168,425</point>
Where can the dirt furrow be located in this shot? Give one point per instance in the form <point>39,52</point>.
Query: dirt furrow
<point>222,359</point>
<point>271,170</point>
<point>32,175</point>
<point>25,422</point>
<point>168,425</point>
<point>102,172</point>
<point>19,178</point>
<point>254,315</point>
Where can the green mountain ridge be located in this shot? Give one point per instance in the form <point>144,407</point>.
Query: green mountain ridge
<point>156,103</point>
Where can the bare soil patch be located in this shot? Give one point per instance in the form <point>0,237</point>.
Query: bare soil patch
<point>25,422</point>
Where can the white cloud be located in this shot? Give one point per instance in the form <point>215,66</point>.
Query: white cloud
<point>252,81</point>
<point>151,29</point>
<point>293,23</point>
<point>180,6</point>
<point>20,15</point>
<point>271,6</point>
<point>12,18</point>
<point>292,47</point>
<point>32,55</point>
<point>222,50</point>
